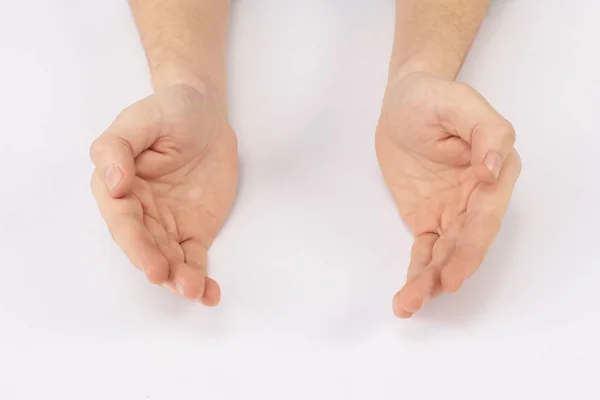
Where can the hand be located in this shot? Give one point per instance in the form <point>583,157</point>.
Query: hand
<point>450,163</point>
<point>165,180</point>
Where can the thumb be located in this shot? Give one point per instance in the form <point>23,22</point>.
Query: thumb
<point>491,144</point>
<point>490,135</point>
<point>114,152</point>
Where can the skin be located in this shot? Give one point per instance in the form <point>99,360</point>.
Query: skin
<point>166,169</point>
<point>446,155</point>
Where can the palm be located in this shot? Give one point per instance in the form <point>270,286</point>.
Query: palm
<point>183,210</point>
<point>183,188</point>
<point>175,209</point>
<point>428,193</point>
<point>446,199</point>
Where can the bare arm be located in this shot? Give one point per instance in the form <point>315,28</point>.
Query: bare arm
<point>166,168</point>
<point>185,41</point>
<point>434,36</point>
<point>447,156</point>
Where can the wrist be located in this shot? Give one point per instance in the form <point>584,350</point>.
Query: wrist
<point>441,65</point>
<point>169,74</point>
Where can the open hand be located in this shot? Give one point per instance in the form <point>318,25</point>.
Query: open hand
<point>450,163</point>
<point>165,180</point>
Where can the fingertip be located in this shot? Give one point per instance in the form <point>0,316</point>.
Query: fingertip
<point>212,293</point>
<point>403,314</point>
<point>492,142</point>
<point>397,308</point>
<point>488,167</point>
<point>157,274</point>
<point>113,156</point>
<point>410,300</point>
<point>189,281</point>
<point>118,181</point>
<point>493,163</point>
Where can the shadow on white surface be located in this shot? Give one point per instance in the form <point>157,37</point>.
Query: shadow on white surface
<point>314,249</point>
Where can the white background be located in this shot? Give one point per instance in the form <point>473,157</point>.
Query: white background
<point>314,249</point>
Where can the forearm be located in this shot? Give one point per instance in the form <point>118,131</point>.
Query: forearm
<point>434,35</point>
<point>185,41</point>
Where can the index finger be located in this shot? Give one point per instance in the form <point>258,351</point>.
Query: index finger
<point>485,211</point>
<point>132,132</point>
<point>123,218</point>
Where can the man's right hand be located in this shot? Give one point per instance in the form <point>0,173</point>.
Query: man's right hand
<point>449,160</point>
<point>165,180</point>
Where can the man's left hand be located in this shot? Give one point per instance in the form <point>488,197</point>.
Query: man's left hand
<point>449,160</point>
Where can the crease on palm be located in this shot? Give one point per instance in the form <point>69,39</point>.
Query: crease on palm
<point>426,181</point>
<point>432,162</point>
<point>180,164</point>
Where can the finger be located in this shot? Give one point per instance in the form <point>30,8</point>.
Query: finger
<point>114,152</point>
<point>124,221</point>
<point>196,256</point>
<point>421,253</point>
<point>426,222</point>
<point>414,295</point>
<point>427,218</point>
<point>399,311</point>
<point>453,151</point>
<point>420,257</point>
<point>425,285</point>
<point>491,144</point>
<point>152,164</point>
<point>417,291</point>
<point>490,135</point>
<point>212,293</point>
<point>444,246</point>
<point>189,275</point>
<point>178,282</point>
<point>485,211</point>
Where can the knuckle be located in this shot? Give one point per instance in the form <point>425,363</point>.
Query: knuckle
<point>509,131</point>
<point>96,148</point>
<point>506,130</point>
<point>98,187</point>
<point>124,145</point>
<point>516,163</point>
<point>125,113</point>
<point>469,93</point>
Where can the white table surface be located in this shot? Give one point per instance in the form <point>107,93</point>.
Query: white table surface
<point>314,249</point>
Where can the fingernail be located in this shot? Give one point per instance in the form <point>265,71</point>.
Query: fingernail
<point>493,162</point>
<point>179,289</point>
<point>114,174</point>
